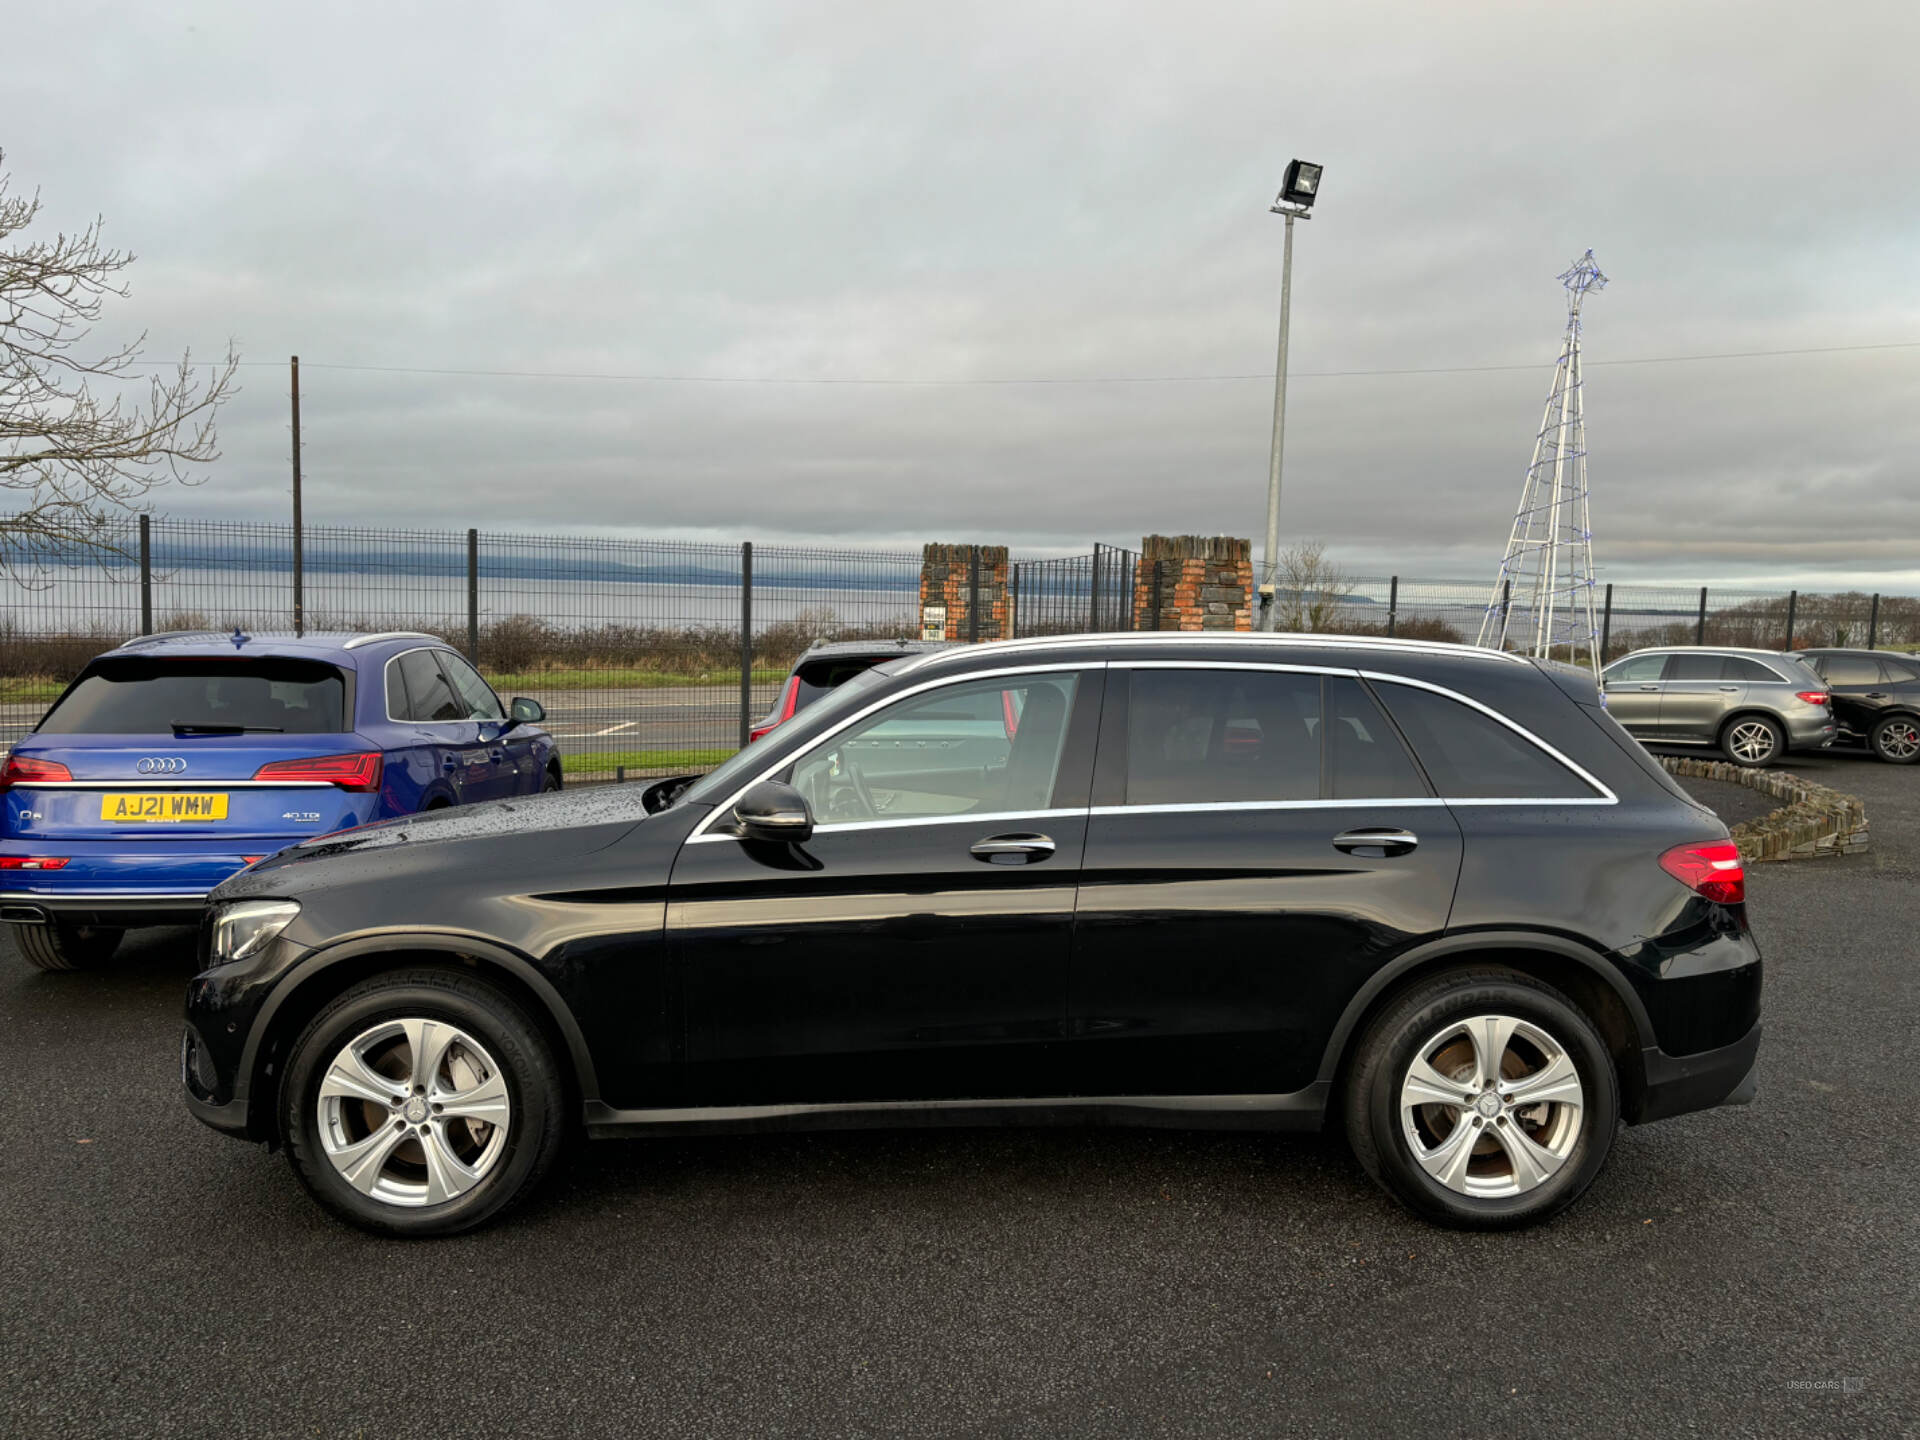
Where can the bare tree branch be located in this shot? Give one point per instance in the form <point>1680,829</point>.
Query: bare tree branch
<point>74,452</point>
<point>1311,590</point>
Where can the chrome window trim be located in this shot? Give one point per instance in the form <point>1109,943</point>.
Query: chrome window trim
<point>386,691</point>
<point>725,807</point>
<point>1207,637</point>
<point>990,817</point>
<point>1605,796</point>
<point>1177,807</point>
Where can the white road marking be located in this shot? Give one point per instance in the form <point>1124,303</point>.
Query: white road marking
<point>615,729</point>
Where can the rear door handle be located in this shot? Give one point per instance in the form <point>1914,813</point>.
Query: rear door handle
<point>1013,849</point>
<point>1876,694</point>
<point>1376,841</point>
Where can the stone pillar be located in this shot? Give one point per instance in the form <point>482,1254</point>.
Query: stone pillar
<point>946,579</point>
<point>1201,582</point>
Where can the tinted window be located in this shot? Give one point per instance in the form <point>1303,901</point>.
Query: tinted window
<point>1637,668</point>
<point>152,697</point>
<point>1852,670</point>
<point>429,696</point>
<point>1739,667</point>
<point>1471,756</point>
<point>1365,759</point>
<point>478,697</point>
<point>1200,736</point>
<point>820,676</point>
<point>974,746</point>
<point>1696,667</point>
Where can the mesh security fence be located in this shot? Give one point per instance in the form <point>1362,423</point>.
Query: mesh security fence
<point>654,657</point>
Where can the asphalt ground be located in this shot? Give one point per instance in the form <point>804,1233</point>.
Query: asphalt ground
<point>1728,1274</point>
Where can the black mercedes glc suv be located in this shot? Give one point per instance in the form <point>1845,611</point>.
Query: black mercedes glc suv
<point>1431,894</point>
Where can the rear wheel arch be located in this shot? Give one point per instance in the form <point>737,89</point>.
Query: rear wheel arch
<point>320,978</point>
<point>1753,712</point>
<point>1585,978</point>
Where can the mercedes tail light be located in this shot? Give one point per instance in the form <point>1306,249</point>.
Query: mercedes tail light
<point>24,769</point>
<point>1812,697</point>
<point>1712,870</point>
<point>789,702</point>
<point>349,772</point>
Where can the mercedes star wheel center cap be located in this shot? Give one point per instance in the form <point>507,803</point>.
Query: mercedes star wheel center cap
<point>416,1111</point>
<point>1488,1105</point>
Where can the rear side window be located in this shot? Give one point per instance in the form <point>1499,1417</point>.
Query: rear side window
<point>1365,759</point>
<point>1852,670</point>
<point>819,676</point>
<point>1899,672</point>
<point>209,697</point>
<point>1471,756</point>
<point>1197,737</point>
<point>1696,667</point>
<point>418,691</point>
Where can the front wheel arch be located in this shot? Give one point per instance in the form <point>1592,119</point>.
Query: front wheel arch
<point>326,974</point>
<point>1601,992</point>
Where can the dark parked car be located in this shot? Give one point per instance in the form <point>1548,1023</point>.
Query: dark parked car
<point>1876,699</point>
<point>1754,705</point>
<point>1431,893</point>
<point>825,667</point>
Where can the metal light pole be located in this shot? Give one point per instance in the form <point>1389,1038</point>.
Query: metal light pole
<point>1296,197</point>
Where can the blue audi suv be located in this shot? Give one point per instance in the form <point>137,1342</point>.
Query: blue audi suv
<point>180,759</point>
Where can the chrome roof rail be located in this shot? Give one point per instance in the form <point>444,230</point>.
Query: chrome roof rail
<point>357,641</point>
<point>1214,637</point>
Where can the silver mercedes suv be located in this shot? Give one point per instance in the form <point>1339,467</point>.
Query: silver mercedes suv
<point>1755,705</point>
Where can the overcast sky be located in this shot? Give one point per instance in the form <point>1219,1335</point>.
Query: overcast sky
<point>982,192</point>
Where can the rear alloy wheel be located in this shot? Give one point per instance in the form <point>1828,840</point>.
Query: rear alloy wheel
<point>58,946</point>
<point>1483,1099</point>
<point>421,1103</point>
<point>1753,741</point>
<point>1897,740</point>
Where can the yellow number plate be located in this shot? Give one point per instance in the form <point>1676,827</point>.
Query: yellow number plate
<point>166,806</point>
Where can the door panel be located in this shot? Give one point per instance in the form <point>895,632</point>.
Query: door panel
<point>1633,688</point>
<point>1700,692</point>
<point>884,963</point>
<point>1215,948</point>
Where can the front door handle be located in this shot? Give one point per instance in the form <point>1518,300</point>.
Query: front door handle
<point>1013,849</point>
<point>1733,689</point>
<point>1650,687</point>
<point>1376,842</point>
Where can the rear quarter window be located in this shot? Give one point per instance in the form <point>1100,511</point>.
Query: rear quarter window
<point>1469,755</point>
<point>155,696</point>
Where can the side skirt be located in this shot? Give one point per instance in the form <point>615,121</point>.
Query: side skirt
<point>1298,1110</point>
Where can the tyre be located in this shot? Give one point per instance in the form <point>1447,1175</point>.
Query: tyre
<point>421,1102</point>
<point>57,946</point>
<point>551,784</point>
<point>1482,1099</point>
<point>1753,741</point>
<point>1896,740</point>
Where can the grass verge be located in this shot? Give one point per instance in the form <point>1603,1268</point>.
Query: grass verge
<point>663,762</point>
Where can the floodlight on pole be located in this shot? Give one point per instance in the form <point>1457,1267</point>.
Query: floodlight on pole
<point>1297,193</point>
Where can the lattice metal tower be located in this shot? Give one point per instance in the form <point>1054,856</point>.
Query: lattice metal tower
<point>1542,602</point>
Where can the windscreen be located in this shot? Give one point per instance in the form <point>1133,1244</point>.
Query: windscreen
<point>715,784</point>
<point>149,696</point>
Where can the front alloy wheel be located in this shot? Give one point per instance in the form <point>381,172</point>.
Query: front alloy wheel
<point>422,1102</point>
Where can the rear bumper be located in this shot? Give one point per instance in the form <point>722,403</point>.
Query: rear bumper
<point>1681,1084</point>
<point>1810,732</point>
<point>117,909</point>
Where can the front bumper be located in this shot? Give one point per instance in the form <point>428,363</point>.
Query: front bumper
<point>1680,1084</point>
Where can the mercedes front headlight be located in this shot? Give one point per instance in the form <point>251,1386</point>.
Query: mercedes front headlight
<point>244,928</point>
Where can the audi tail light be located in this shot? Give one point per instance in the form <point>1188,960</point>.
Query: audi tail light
<point>349,772</point>
<point>1712,871</point>
<point>1812,697</point>
<point>24,769</point>
<point>33,862</point>
<point>789,702</point>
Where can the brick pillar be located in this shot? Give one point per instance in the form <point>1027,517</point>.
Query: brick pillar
<point>945,579</point>
<point>1205,582</point>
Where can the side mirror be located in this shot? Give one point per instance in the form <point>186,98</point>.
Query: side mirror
<point>526,712</point>
<point>773,810</point>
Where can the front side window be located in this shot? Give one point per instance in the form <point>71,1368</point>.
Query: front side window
<point>973,747</point>
<point>1197,737</point>
<point>152,696</point>
<point>475,693</point>
<point>1638,669</point>
<point>1471,756</point>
